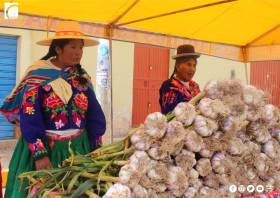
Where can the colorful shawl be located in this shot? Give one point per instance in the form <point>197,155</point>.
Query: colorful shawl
<point>38,74</point>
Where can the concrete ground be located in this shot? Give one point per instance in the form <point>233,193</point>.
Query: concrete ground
<point>6,151</point>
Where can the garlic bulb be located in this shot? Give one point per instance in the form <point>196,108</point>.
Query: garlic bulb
<point>231,88</point>
<point>262,166</point>
<point>271,115</point>
<point>250,174</point>
<point>152,193</point>
<point>155,125</point>
<point>253,113</point>
<point>118,191</point>
<point>177,181</point>
<point>212,108</point>
<point>157,151</point>
<point>186,160</point>
<point>206,192</point>
<point>212,90</point>
<point>251,147</point>
<point>276,134</point>
<point>166,194</point>
<point>173,141</point>
<point>272,149</point>
<point>203,167</point>
<point>140,161</point>
<point>139,192</point>
<point>147,183</point>
<point>193,141</point>
<point>236,106</point>
<point>158,172</point>
<point>253,96</point>
<point>211,181</point>
<point>193,175</point>
<point>205,152</point>
<point>190,193</point>
<point>204,126</point>
<point>140,140</point>
<point>217,162</point>
<point>128,176</point>
<point>228,124</point>
<point>185,113</point>
<point>236,146</point>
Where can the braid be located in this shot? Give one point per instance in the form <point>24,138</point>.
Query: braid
<point>81,72</point>
<point>55,43</point>
<point>51,53</point>
<point>174,72</point>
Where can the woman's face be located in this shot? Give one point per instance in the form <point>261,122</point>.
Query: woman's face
<point>186,70</point>
<point>72,52</point>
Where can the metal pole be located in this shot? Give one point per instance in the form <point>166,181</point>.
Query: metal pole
<point>111,86</point>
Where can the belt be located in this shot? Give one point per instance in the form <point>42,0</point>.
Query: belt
<point>62,135</point>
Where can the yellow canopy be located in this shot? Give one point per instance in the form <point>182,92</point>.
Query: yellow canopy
<point>242,30</point>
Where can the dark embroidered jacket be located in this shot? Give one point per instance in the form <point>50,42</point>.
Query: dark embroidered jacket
<point>172,92</point>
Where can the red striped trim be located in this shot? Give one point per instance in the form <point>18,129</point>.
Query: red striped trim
<point>56,137</point>
<point>69,33</point>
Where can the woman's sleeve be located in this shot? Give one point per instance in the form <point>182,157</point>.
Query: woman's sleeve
<point>32,123</point>
<point>95,121</point>
<point>168,100</point>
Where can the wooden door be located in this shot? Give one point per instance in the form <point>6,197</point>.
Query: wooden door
<point>150,70</point>
<point>266,75</point>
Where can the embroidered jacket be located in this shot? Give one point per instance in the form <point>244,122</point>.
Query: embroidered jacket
<point>42,109</point>
<point>172,92</point>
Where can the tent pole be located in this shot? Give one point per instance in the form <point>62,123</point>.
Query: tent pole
<point>246,72</point>
<point>109,33</point>
<point>111,86</point>
<point>245,58</point>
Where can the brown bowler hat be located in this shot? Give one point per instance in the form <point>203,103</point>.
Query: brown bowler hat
<point>185,51</point>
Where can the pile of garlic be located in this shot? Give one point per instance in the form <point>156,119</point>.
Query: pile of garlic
<point>230,137</point>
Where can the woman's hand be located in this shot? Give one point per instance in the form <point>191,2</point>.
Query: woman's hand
<point>43,163</point>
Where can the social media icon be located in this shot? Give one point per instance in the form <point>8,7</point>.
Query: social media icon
<point>269,188</point>
<point>241,188</point>
<point>232,188</point>
<point>11,10</point>
<point>250,188</point>
<point>259,188</point>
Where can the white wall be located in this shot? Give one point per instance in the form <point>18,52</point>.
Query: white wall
<point>123,63</point>
<point>209,67</point>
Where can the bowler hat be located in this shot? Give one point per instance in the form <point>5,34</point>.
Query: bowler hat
<point>186,51</point>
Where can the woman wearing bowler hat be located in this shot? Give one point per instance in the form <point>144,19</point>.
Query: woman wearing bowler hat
<point>180,87</point>
<point>54,104</point>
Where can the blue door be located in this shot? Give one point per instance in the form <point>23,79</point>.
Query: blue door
<point>8,59</point>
